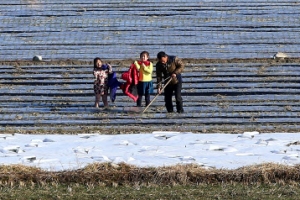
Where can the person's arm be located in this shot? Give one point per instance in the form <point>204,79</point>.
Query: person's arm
<point>95,74</point>
<point>179,66</point>
<point>159,78</point>
<point>148,69</point>
<point>137,65</point>
<point>109,67</point>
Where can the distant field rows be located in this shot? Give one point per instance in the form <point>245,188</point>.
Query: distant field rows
<point>122,29</point>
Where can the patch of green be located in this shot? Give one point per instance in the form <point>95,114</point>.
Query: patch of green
<point>219,191</point>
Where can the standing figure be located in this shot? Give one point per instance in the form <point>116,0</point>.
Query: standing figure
<point>170,67</point>
<point>101,72</point>
<point>145,84</point>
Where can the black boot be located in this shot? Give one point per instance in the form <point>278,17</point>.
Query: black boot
<point>180,111</point>
<point>179,107</point>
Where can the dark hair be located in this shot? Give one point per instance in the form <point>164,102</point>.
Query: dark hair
<point>161,54</point>
<point>144,52</point>
<point>95,61</point>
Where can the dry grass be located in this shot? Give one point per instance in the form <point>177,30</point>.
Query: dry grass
<point>107,174</point>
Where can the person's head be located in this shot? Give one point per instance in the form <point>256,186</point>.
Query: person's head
<point>162,57</point>
<point>144,56</point>
<point>97,62</point>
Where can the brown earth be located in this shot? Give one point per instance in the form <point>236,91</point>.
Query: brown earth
<point>127,62</point>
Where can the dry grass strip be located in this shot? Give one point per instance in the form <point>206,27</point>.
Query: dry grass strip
<point>122,174</point>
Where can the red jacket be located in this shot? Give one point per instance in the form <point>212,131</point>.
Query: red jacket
<point>132,78</point>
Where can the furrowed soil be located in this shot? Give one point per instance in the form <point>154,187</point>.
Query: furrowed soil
<point>239,89</point>
<point>220,95</point>
<point>231,84</point>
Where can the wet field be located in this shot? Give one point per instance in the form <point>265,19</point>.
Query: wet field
<point>231,84</point>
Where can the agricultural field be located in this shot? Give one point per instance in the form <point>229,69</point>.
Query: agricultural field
<point>231,85</point>
<point>231,82</point>
<point>228,96</point>
<point>121,29</point>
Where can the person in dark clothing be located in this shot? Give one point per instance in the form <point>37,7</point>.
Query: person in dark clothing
<point>170,67</point>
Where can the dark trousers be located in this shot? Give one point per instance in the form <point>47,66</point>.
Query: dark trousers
<point>144,89</point>
<point>147,99</point>
<point>169,90</point>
